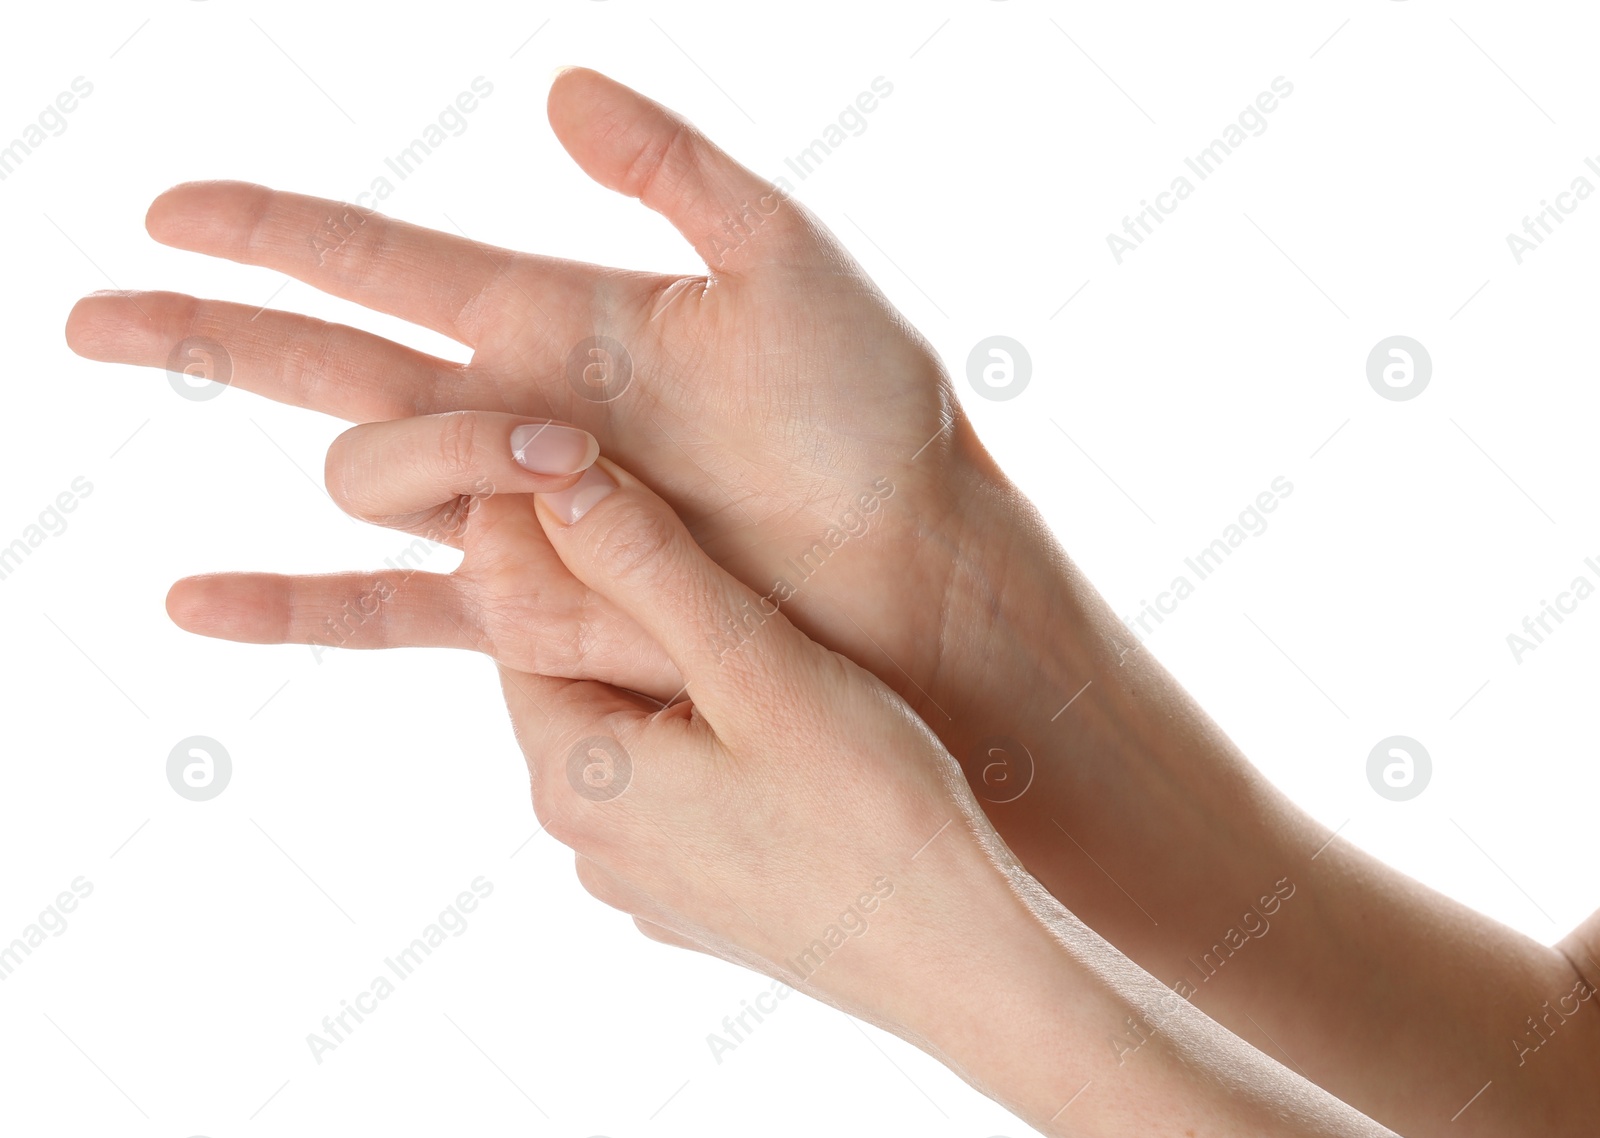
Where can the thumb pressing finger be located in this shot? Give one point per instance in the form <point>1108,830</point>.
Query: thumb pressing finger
<point>615,535</point>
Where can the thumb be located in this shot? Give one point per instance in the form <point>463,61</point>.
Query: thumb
<point>735,220</point>
<point>620,539</point>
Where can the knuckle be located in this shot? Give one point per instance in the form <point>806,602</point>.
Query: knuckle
<point>661,164</point>
<point>639,543</point>
<point>559,808</point>
<point>598,883</point>
<point>458,442</point>
<point>307,360</point>
<point>365,255</point>
<point>554,805</point>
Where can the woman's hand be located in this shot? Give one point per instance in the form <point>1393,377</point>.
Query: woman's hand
<point>787,797</point>
<point>460,479</point>
<point>793,815</point>
<point>771,400</point>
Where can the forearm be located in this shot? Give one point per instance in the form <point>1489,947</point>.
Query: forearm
<point>1146,822</point>
<point>1040,1013</point>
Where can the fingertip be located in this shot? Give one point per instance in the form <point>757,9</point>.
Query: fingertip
<point>99,326</point>
<point>633,145</point>
<point>614,133</point>
<point>205,606</point>
<point>568,505</point>
<point>183,602</point>
<point>79,321</point>
<point>553,451</point>
<point>175,211</point>
<point>158,218</point>
<point>569,73</point>
<point>573,91</point>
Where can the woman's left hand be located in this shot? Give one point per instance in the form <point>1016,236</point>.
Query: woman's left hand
<point>791,813</point>
<point>795,816</point>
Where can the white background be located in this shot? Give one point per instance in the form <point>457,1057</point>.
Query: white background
<point>1230,349</point>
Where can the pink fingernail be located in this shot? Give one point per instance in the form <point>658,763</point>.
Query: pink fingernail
<point>578,499</point>
<point>550,448</point>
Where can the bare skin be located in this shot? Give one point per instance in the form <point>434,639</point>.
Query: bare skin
<point>793,793</point>
<point>768,396</point>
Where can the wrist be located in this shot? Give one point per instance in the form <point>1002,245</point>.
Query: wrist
<point>1086,755</point>
<point>1027,647</point>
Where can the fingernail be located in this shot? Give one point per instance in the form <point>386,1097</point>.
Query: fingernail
<point>578,499</point>
<point>549,448</point>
